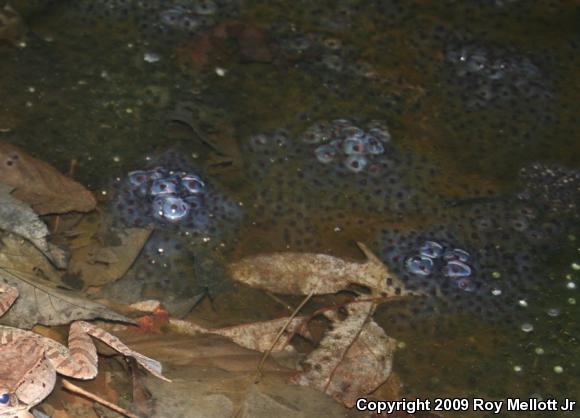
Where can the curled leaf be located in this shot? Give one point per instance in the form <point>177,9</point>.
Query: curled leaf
<point>41,185</point>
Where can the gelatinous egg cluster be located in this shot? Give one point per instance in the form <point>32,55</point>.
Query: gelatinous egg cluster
<point>342,142</point>
<point>172,196</point>
<point>493,74</point>
<point>451,262</point>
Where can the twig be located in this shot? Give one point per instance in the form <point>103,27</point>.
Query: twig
<point>80,391</point>
<point>260,366</point>
<point>280,333</point>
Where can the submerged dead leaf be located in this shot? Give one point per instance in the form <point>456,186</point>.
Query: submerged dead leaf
<point>353,359</point>
<point>302,273</point>
<point>41,300</point>
<point>259,336</point>
<point>17,217</point>
<point>41,185</point>
<point>98,263</point>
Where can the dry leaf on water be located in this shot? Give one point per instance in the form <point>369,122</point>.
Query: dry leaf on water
<point>98,264</point>
<point>40,300</point>
<point>17,217</point>
<point>300,273</point>
<point>257,336</point>
<point>353,359</point>
<point>41,185</point>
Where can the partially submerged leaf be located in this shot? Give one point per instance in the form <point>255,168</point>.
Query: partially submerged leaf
<point>257,336</point>
<point>98,264</point>
<point>353,359</point>
<point>41,185</point>
<point>301,273</point>
<point>17,217</point>
<point>41,300</point>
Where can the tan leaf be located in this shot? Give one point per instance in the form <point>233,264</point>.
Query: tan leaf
<point>257,336</point>
<point>41,300</point>
<point>353,359</point>
<point>41,185</point>
<point>17,217</point>
<point>98,264</point>
<point>301,273</point>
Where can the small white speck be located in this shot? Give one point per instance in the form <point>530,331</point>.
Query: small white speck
<point>130,45</point>
<point>496,292</point>
<point>571,285</point>
<point>116,159</point>
<point>527,327</point>
<point>558,369</point>
<point>575,266</point>
<point>496,274</point>
<point>571,301</point>
<point>206,239</point>
<point>28,104</point>
<point>553,312</point>
<point>151,57</point>
<point>22,44</point>
<point>518,369</point>
<point>523,303</point>
<point>539,351</point>
<point>401,344</point>
<point>129,110</point>
<point>220,71</point>
<point>31,89</point>
<point>337,229</point>
<point>104,74</point>
<point>103,192</point>
<point>160,250</point>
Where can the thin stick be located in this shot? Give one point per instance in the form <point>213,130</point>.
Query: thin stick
<point>280,333</point>
<point>80,391</point>
<point>280,301</point>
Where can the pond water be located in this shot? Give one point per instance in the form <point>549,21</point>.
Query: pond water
<point>444,135</point>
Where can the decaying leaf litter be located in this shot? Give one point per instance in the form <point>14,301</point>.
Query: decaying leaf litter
<point>351,359</point>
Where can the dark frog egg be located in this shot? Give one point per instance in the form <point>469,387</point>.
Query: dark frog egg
<point>163,186</point>
<point>353,145</point>
<point>379,130</point>
<point>319,132</point>
<point>456,254</point>
<point>355,163</point>
<point>138,177</point>
<point>431,249</point>
<point>205,7</point>
<point>465,284</point>
<point>372,145</point>
<point>455,268</point>
<point>419,265</point>
<point>170,208</point>
<point>192,184</point>
<point>325,153</point>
